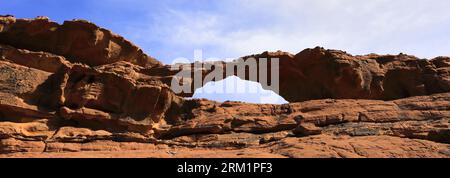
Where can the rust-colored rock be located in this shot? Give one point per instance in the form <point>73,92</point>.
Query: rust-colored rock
<point>323,74</point>
<point>325,146</point>
<point>116,97</point>
<point>78,40</point>
<point>77,90</point>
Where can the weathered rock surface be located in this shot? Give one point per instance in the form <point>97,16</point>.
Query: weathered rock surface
<point>78,40</point>
<point>77,90</point>
<point>321,74</point>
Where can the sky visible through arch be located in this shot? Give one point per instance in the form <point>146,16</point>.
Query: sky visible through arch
<point>234,28</point>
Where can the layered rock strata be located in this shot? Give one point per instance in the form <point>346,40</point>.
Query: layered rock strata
<point>78,90</point>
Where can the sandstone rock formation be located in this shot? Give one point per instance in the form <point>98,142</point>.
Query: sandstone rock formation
<point>77,40</point>
<point>320,74</point>
<point>77,90</point>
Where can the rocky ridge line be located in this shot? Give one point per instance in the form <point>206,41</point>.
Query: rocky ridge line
<point>77,90</point>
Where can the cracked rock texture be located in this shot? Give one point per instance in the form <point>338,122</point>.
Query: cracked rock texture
<point>78,90</point>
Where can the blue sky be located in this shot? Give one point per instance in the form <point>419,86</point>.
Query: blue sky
<point>233,28</point>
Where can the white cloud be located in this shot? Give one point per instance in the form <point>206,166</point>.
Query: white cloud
<point>252,26</point>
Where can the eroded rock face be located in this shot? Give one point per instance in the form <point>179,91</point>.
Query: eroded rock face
<point>76,90</point>
<point>132,100</point>
<point>77,40</point>
<point>323,74</point>
<point>424,118</point>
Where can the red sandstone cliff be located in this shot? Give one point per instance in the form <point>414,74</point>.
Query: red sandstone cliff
<point>77,90</point>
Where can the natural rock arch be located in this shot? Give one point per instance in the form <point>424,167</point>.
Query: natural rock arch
<point>332,74</point>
